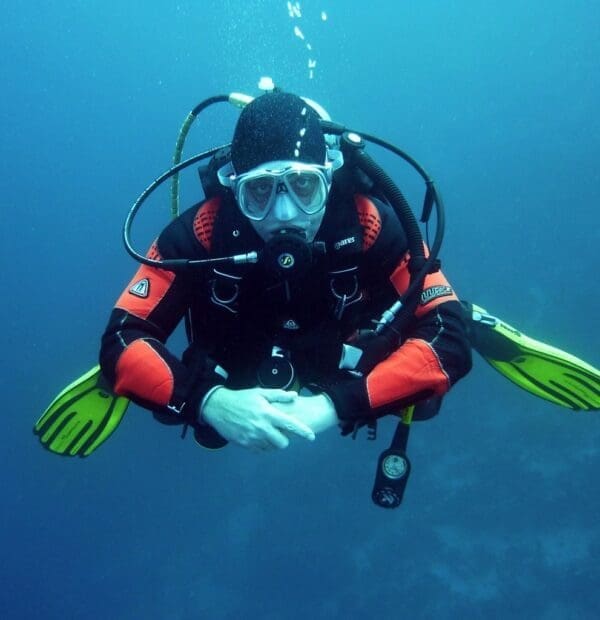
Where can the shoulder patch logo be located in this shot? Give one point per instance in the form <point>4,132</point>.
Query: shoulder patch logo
<point>433,292</point>
<point>141,288</point>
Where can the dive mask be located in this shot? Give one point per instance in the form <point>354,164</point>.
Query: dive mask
<point>307,185</point>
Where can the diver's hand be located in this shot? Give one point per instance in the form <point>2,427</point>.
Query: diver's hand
<point>316,411</point>
<point>251,418</point>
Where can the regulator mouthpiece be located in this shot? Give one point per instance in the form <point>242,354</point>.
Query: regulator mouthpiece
<point>289,255</point>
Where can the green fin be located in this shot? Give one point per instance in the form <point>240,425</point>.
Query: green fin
<point>82,416</point>
<point>539,368</point>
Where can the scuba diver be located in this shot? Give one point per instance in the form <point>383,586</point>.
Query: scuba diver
<point>330,263</point>
<point>310,301</point>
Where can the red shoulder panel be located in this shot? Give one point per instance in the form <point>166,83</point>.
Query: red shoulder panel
<point>369,218</point>
<point>205,221</point>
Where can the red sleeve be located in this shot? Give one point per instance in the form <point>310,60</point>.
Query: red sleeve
<point>133,355</point>
<point>417,366</point>
<point>434,356</point>
<point>434,352</point>
<point>412,370</point>
<point>142,368</point>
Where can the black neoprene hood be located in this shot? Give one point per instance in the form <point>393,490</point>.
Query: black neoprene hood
<point>277,126</point>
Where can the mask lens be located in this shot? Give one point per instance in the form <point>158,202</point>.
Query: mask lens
<point>308,189</point>
<point>255,195</point>
<point>304,185</point>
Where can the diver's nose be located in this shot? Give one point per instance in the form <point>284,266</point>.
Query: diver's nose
<point>284,208</point>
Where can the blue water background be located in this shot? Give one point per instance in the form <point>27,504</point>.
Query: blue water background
<point>500,102</point>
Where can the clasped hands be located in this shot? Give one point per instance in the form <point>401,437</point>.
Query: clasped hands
<point>263,418</point>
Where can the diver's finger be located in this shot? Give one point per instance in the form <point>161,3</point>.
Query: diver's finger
<point>279,396</point>
<point>261,446</point>
<point>291,424</point>
<point>276,439</point>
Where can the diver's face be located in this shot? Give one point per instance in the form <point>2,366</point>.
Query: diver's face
<point>286,215</point>
<point>284,195</point>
